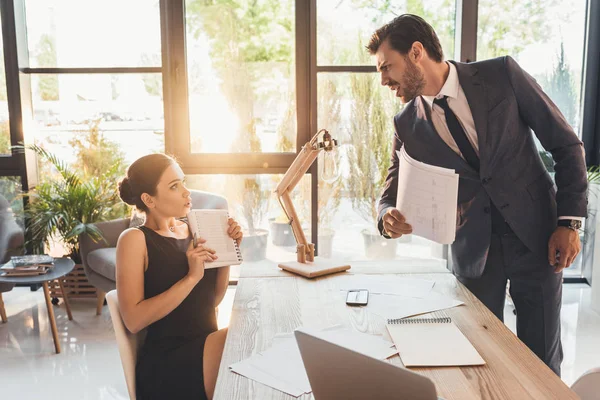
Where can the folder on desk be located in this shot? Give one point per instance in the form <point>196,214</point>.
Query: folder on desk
<point>432,342</point>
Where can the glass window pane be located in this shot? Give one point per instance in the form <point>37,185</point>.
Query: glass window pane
<point>4,126</point>
<point>267,234</point>
<point>242,90</point>
<point>546,38</point>
<point>88,33</point>
<point>359,112</point>
<point>96,120</point>
<point>11,217</point>
<point>345,27</point>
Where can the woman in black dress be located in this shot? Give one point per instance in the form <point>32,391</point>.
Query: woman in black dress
<point>163,287</point>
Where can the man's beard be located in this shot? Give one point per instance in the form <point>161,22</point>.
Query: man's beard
<point>414,82</point>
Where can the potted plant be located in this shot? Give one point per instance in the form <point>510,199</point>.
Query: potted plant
<point>329,201</point>
<point>68,206</point>
<point>280,228</point>
<point>251,197</point>
<point>254,206</point>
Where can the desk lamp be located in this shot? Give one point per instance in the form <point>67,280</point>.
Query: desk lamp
<point>307,265</point>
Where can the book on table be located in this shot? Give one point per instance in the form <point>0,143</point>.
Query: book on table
<point>28,265</point>
<point>32,259</point>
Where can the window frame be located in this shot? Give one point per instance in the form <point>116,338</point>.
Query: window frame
<point>175,90</point>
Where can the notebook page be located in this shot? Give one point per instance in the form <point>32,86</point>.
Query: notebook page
<point>433,345</point>
<point>211,225</point>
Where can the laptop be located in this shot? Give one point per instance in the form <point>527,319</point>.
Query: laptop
<point>336,372</point>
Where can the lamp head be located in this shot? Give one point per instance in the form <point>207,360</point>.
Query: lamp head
<point>327,143</point>
<point>327,160</point>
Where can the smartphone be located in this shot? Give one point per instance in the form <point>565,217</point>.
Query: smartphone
<point>357,297</point>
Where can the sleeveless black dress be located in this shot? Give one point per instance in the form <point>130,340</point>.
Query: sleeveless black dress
<point>169,364</point>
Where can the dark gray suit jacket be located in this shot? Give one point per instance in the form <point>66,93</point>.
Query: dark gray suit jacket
<point>506,103</point>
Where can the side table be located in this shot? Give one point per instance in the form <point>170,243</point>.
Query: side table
<point>62,266</point>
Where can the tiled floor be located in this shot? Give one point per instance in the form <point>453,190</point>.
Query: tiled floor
<point>89,366</point>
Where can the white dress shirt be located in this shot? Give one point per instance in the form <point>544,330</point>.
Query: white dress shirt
<point>457,101</point>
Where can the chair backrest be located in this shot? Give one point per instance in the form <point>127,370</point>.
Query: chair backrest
<point>587,386</point>
<point>127,342</point>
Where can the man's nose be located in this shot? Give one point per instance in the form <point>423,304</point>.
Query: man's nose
<point>384,79</point>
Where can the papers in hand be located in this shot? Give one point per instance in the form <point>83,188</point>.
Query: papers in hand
<point>427,197</point>
<point>281,366</point>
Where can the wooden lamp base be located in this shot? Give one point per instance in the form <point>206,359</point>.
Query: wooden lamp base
<point>312,269</point>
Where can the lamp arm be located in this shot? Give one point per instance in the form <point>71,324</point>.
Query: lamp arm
<point>307,156</point>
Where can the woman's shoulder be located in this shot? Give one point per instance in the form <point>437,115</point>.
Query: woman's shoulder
<point>132,236</point>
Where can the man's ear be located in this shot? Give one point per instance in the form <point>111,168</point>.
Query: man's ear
<point>148,200</point>
<point>416,52</point>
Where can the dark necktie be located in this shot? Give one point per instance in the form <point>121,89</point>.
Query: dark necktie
<point>458,133</point>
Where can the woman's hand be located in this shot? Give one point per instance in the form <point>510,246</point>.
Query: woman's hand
<point>235,231</point>
<point>197,256</point>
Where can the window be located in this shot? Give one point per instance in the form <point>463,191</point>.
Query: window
<point>4,126</point>
<point>267,233</point>
<point>358,111</point>
<point>82,113</point>
<point>241,81</point>
<point>118,115</point>
<point>108,33</point>
<point>546,38</point>
<point>344,27</point>
<point>10,199</point>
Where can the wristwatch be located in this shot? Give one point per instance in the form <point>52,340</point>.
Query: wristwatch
<point>573,224</point>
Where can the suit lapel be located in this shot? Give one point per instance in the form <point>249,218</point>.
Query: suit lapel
<point>475,93</point>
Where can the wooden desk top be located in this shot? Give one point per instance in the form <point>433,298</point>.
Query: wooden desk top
<point>264,307</point>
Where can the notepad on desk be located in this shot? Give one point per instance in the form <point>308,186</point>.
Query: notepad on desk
<point>212,226</point>
<point>432,341</point>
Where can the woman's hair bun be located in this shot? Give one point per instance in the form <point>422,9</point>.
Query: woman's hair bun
<point>126,192</point>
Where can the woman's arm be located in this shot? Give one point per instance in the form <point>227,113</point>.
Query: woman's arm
<point>136,311</point>
<point>222,284</point>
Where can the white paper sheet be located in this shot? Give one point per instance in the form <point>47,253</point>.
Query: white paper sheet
<point>409,287</point>
<point>281,366</point>
<point>396,307</point>
<point>249,370</point>
<point>369,345</point>
<point>427,197</point>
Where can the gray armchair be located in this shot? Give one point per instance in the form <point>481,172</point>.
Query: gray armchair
<point>99,259</point>
<point>11,240</point>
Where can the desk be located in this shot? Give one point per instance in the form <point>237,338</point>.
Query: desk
<point>264,307</point>
<point>62,266</point>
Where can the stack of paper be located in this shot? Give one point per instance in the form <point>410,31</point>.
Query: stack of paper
<point>397,307</point>
<point>427,197</point>
<point>281,366</point>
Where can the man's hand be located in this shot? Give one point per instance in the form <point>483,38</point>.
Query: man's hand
<point>395,224</point>
<point>566,242</point>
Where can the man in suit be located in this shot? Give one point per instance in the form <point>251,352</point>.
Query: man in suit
<point>511,222</point>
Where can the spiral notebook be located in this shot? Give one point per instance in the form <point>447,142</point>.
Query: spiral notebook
<point>211,225</point>
<point>432,341</point>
